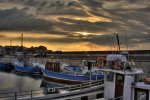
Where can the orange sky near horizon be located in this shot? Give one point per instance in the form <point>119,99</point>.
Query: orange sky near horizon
<point>83,46</point>
<point>14,39</point>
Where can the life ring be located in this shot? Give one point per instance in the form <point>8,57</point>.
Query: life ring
<point>147,80</point>
<point>117,64</point>
<point>100,62</point>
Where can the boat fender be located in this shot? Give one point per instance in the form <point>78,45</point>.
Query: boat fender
<point>100,62</point>
<point>147,80</point>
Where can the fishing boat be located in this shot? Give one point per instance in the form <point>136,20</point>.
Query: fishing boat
<point>122,81</point>
<point>68,74</point>
<point>24,66</point>
<point>6,67</point>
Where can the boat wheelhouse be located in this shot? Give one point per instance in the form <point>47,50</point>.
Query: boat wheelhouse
<point>121,80</point>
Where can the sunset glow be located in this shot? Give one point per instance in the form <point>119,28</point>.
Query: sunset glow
<point>70,25</point>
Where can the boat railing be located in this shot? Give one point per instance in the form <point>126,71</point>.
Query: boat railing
<point>85,85</point>
<point>46,91</point>
<point>21,94</point>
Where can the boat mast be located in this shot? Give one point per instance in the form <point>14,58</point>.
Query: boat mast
<point>10,42</point>
<point>126,40</point>
<point>117,40</point>
<point>22,41</point>
<point>109,40</point>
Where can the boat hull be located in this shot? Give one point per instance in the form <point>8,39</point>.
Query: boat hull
<point>62,81</point>
<point>27,69</point>
<point>69,79</point>
<point>6,67</point>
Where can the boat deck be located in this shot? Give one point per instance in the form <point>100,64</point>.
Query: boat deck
<point>56,93</point>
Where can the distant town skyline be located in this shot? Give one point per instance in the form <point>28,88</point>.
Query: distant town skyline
<point>76,25</point>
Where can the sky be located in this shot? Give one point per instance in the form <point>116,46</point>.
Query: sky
<point>76,25</point>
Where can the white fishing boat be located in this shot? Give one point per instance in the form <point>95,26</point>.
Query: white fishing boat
<point>121,80</point>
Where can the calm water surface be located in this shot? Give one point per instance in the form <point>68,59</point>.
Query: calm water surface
<point>10,82</point>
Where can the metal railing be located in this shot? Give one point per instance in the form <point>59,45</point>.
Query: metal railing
<point>43,92</point>
<point>22,94</point>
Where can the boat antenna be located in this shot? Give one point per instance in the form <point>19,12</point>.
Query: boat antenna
<point>126,40</point>
<point>113,43</point>
<point>117,40</point>
<point>109,40</point>
<point>91,46</point>
<point>22,41</point>
<point>10,42</point>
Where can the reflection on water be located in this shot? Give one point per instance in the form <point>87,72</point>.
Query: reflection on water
<point>10,82</point>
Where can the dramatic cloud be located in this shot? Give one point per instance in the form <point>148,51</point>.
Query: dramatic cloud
<point>16,20</point>
<point>90,21</point>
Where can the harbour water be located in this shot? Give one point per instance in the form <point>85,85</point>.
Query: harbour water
<point>16,82</point>
<point>10,82</point>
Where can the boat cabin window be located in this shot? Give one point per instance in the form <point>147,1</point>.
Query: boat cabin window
<point>74,68</point>
<point>141,94</point>
<point>30,64</point>
<point>52,66</point>
<point>137,78</point>
<point>27,63</point>
<point>115,64</point>
<point>90,62</point>
<point>110,76</point>
<point>148,74</point>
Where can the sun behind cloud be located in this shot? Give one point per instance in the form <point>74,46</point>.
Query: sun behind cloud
<point>73,24</point>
